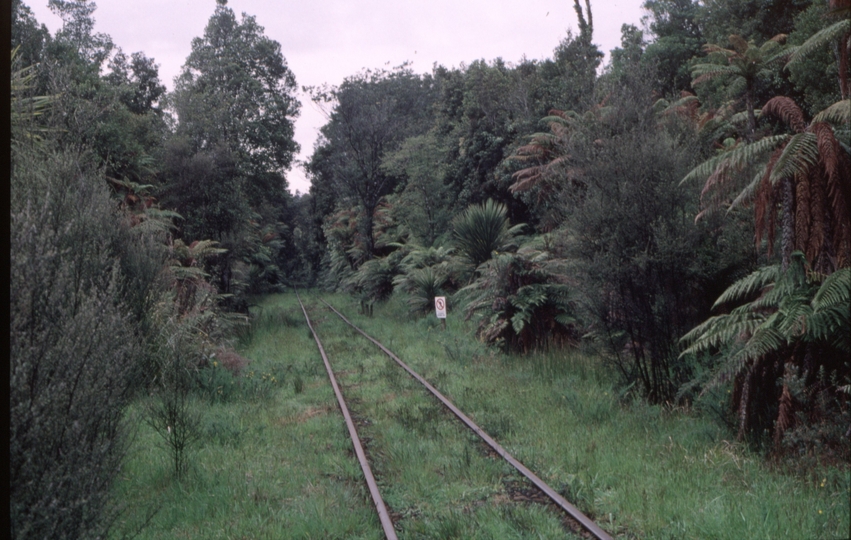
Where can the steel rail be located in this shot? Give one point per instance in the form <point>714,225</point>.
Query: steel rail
<point>383,515</point>
<point>560,501</point>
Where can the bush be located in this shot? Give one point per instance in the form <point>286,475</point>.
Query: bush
<point>523,301</point>
<point>72,348</point>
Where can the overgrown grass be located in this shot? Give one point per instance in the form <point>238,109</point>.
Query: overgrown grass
<point>275,461</point>
<point>275,458</point>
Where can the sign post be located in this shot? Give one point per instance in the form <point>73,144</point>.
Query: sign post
<point>440,309</point>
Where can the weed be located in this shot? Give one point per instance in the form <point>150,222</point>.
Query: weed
<point>177,420</point>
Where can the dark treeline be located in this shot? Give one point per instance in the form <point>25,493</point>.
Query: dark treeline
<point>682,211</point>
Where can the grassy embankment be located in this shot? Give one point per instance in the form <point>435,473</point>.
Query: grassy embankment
<point>275,462</point>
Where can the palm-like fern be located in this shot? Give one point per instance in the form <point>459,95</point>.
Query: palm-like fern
<point>742,66</point>
<point>786,315</point>
<point>422,285</point>
<point>523,301</point>
<point>807,174</point>
<point>482,230</point>
<point>426,274</point>
<point>551,166</point>
<point>26,108</point>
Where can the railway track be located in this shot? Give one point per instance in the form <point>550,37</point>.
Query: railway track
<point>587,526</point>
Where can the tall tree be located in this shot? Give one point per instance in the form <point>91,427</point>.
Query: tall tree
<point>678,39</point>
<point>571,74</point>
<point>236,89</point>
<point>372,113</point>
<point>235,107</point>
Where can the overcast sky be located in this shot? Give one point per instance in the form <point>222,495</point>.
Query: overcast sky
<point>324,41</point>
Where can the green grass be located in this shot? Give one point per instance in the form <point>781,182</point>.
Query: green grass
<point>276,462</point>
<point>275,459</point>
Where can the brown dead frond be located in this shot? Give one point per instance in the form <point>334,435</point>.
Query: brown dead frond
<point>787,110</point>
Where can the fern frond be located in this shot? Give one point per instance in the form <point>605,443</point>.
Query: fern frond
<point>706,72</point>
<point>831,326</point>
<point>765,340</point>
<point>742,117</point>
<point>838,114</point>
<point>794,316</point>
<point>819,40</point>
<point>739,43</point>
<point>205,248</point>
<point>834,291</point>
<point>749,285</point>
<point>739,157</point>
<point>787,110</point>
<point>704,169</point>
<point>565,121</point>
<point>748,193</point>
<point>721,330</point>
<point>797,158</point>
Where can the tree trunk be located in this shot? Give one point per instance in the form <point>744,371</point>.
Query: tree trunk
<point>366,226</point>
<point>743,405</point>
<point>751,116</point>
<point>788,240</point>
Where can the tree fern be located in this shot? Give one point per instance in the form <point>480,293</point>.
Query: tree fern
<point>819,40</point>
<point>838,114</point>
<point>521,301</point>
<point>782,313</point>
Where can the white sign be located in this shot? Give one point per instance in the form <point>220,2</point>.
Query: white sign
<point>440,306</point>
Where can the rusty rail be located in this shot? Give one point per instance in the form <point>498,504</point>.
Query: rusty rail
<point>383,515</point>
<point>559,501</point>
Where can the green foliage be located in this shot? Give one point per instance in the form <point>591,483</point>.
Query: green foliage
<point>742,68</point>
<point>757,19</point>
<point>423,205</point>
<point>642,267</point>
<point>482,230</point>
<point>523,301</point>
<point>794,317</point>
<point>822,55</point>
<point>678,38</point>
<point>371,114</point>
<point>73,349</point>
<point>422,285</point>
<point>373,280</point>
<point>27,34</point>
<point>234,104</point>
<point>236,90</point>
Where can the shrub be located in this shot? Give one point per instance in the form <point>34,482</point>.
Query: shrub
<point>72,348</point>
<point>523,301</point>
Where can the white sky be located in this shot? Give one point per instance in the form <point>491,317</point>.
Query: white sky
<point>325,41</point>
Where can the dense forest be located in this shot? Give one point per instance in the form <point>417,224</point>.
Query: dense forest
<point>683,210</point>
